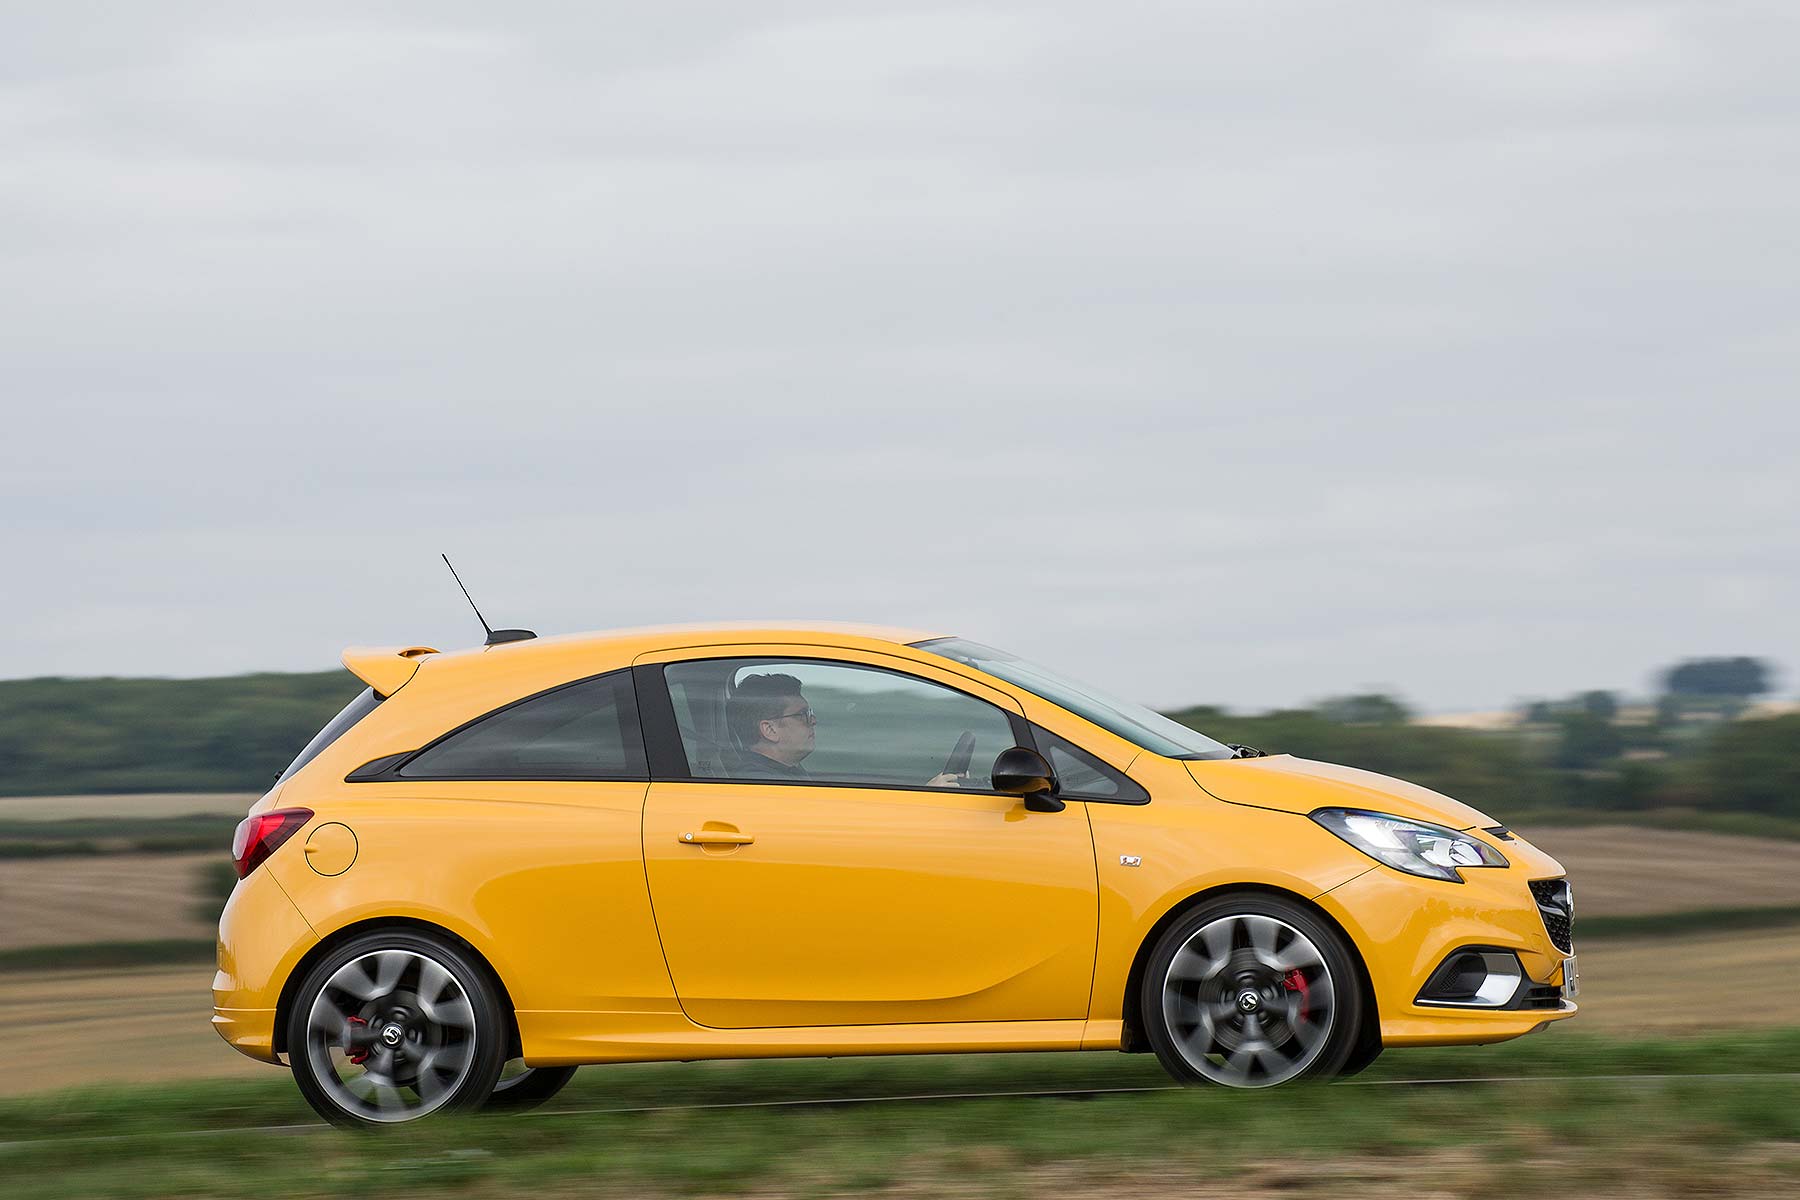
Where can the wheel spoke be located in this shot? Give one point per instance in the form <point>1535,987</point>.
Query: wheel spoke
<point>1193,966</point>
<point>1298,954</point>
<point>1264,933</point>
<point>1217,940</point>
<point>385,1096</point>
<point>328,1018</point>
<point>1308,1033</point>
<point>1199,1038</point>
<point>445,1059</point>
<point>441,1000</point>
<point>1242,1063</point>
<point>356,978</point>
<point>455,1011</point>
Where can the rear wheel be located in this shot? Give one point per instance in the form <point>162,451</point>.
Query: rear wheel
<point>1250,991</point>
<point>522,1087</point>
<point>392,1026</point>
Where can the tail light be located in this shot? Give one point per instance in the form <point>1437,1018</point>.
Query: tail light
<point>259,836</point>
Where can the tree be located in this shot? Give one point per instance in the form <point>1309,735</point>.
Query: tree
<point>1370,709</point>
<point>1600,705</point>
<point>1718,678</point>
<point>1585,741</point>
<point>1755,765</point>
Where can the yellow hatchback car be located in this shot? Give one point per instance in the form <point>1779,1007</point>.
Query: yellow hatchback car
<point>498,864</point>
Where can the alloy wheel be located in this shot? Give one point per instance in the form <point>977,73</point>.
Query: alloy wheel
<point>1249,1001</point>
<point>391,1035</point>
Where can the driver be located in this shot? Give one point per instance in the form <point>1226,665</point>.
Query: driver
<point>777,728</point>
<point>774,725</point>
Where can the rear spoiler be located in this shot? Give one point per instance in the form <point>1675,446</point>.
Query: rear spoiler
<point>385,668</point>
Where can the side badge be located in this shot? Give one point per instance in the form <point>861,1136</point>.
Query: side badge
<point>1130,860</point>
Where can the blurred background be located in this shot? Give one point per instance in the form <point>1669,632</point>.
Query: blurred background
<point>1408,385</point>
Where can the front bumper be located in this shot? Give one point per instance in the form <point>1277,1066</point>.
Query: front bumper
<point>262,937</point>
<point>1406,926</point>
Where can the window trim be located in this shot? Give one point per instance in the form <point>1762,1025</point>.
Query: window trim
<point>1131,791</point>
<point>388,768</point>
<point>668,756</point>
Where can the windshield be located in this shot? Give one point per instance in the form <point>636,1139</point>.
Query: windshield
<point>1133,722</point>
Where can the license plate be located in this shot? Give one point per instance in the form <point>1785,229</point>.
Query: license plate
<point>1571,977</point>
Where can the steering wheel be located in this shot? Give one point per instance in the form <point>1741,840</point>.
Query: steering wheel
<point>958,762</point>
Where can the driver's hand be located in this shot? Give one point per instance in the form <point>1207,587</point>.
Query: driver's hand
<point>943,781</point>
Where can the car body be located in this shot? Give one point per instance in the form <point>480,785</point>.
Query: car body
<point>663,905</point>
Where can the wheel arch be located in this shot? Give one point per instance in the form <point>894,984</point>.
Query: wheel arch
<point>337,937</point>
<point>1134,1041</point>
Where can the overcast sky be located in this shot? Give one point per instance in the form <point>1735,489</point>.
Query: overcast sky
<point>1231,353</point>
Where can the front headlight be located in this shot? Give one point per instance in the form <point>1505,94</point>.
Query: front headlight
<point>1411,846</point>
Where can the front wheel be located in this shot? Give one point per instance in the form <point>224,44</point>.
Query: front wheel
<point>392,1026</point>
<point>522,1087</point>
<point>1250,991</point>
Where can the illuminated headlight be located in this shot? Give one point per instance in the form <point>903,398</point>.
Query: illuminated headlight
<point>1411,846</point>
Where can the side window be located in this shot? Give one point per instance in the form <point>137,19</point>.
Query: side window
<point>1081,776</point>
<point>586,730</point>
<point>804,720</point>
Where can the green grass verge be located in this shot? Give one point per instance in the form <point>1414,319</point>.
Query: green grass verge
<point>1687,820</point>
<point>1677,924</point>
<point>1590,1127</point>
<point>91,955</point>
<point>115,835</point>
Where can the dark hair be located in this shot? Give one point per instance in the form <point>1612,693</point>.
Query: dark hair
<point>758,698</point>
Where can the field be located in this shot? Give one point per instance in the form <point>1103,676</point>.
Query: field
<point>64,1027</point>
<point>1582,1116</point>
<point>126,1054</point>
<point>74,898</point>
<point>1619,870</point>
<point>146,805</point>
<point>62,901</point>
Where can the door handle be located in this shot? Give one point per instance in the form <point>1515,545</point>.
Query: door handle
<point>716,837</point>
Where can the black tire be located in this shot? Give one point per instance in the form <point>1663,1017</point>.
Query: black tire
<point>437,991</point>
<point>1367,1049</point>
<point>1306,1012</point>
<point>528,1089</point>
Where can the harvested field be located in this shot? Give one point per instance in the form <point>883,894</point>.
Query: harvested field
<point>66,1028</point>
<point>1670,985</point>
<point>121,897</point>
<point>1619,870</point>
<point>70,1027</point>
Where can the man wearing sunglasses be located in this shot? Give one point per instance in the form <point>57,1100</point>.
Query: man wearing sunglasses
<point>776,729</point>
<point>774,726</point>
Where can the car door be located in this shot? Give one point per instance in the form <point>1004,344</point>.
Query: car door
<point>862,887</point>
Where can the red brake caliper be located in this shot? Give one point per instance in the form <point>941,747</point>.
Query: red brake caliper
<point>1296,982</point>
<point>359,1057</point>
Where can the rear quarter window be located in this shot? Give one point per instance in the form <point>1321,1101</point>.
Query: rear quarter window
<point>583,730</point>
<point>337,727</point>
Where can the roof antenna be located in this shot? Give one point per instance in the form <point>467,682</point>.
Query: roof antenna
<point>494,636</point>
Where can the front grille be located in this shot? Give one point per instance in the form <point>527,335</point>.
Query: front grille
<point>1557,906</point>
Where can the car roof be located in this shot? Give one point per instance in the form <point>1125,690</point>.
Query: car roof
<point>386,668</point>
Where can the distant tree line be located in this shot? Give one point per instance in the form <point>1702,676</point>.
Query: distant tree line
<point>1690,748</point>
<point>234,734</point>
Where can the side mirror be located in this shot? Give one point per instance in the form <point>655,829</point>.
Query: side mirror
<point>1022,772</point>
